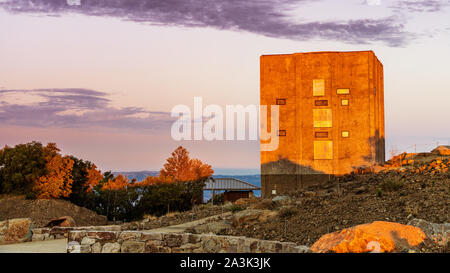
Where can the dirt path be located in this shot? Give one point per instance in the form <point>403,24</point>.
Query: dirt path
<point>184,226</point>
<point>50,246</point>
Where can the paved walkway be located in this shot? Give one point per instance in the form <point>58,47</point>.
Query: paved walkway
<point>50,246</point>
<point>60,246</point>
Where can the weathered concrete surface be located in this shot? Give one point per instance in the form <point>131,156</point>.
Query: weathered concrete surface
<point>313,113</point>
<point>50,246</point>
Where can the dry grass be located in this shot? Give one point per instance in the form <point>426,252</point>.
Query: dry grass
<point>172,214</point>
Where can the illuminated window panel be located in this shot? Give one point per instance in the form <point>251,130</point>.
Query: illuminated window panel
<point>322,118</point>
<point>318,87</point>
<point>345,134</point>
<point>344,102</point>
<point>343,91</point>
<point>323,149</point>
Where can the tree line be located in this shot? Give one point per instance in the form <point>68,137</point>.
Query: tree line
<point>38,171</point>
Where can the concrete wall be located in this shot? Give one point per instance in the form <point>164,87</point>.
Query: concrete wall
<point>291,77</point>
<point>160,242</point>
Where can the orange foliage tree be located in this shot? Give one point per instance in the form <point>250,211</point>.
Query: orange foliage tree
<point>58,180</point>
<point>180,167</point>
<point>94,177</point>
<point>120,182</point>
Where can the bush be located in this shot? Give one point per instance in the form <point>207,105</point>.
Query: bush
<point>286,212</point>
<point>236,208</point>
<point>392,185</point>
<point>30,196</point>
<point>379,192</point>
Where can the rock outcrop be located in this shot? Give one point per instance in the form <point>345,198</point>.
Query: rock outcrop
<point>15,231</point>
<point>251,215</point>
<point>438,233</point>
<point>441,150</point>
<point>64,221</point>
<point>378,236</point>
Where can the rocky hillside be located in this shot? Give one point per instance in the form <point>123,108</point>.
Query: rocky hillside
<point>418,188</point>
<point>42,210</point>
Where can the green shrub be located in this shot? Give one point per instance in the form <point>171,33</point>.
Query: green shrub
<point>236,208</point>
<point>379,192</point>
<point>392,185</point>
<point>30,196</point>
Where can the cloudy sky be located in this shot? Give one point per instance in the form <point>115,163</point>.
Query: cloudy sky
<point>100,77</point>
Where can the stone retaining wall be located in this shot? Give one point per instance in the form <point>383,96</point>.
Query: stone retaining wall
<point>84,241</point>
<point>41,234</point>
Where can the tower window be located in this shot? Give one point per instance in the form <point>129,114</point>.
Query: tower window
<point>281,132</point>
<point>344,102</point>
<point>343,91</point>
<point>322,118</point>
<point>323,149</point>
<point>318,87</point>
<point>321,102</point>
<point>281,101</point>
<point>321,134</point>
<point>345,134</point>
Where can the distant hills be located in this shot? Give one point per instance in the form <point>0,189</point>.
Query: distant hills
<point>139,175</point>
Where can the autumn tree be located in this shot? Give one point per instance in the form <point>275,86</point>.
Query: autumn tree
<point>180,167</point>
<point>57,182</point>
<point>118,183</point>
<point>94,177</point>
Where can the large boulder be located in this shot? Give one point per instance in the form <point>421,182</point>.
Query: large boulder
<point>251,215</point>
<point>64,221</point>
<point>15,231</point>
<point>378,236</point>
<point>441,150</point>
<point>438,233</point>
<point>281,200</point>
<point>212,227</point>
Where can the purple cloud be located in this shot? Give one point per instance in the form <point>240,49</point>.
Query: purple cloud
<point>76,108</point>
<point>265,17</point>
<point>420,5</point>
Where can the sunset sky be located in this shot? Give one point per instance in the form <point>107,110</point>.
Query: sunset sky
<point>101,78</point>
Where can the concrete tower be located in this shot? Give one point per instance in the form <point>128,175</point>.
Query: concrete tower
<point>331,107</point>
